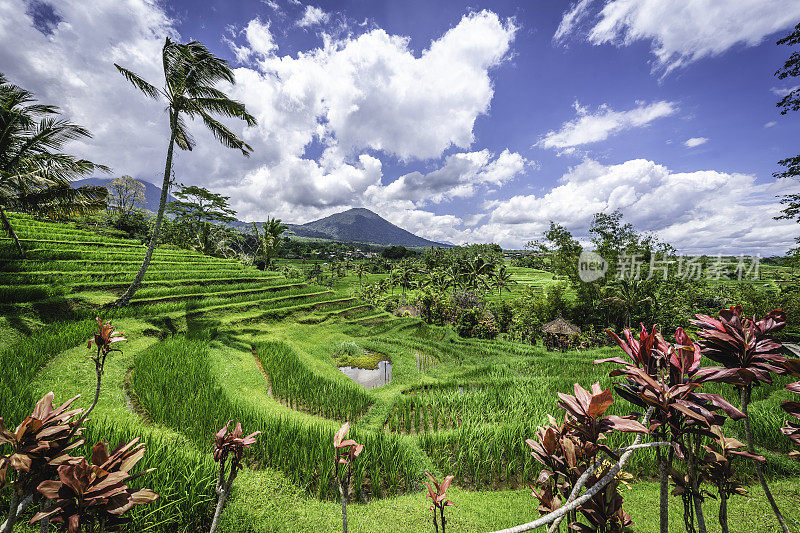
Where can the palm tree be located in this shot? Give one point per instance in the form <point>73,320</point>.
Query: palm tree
<point>405,276</point>
<point>476,272</point>
<point>627,296</point>
<point>190,74</point>
<point>501,279</point>
<point>270,239</point>
<point>360,271</point>
<point>34,174</point>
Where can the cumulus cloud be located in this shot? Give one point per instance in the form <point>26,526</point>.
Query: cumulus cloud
<point>695,141</point>
<point>355,99</point>
<point>72,66</point>
<point>679,32</point>
<point>373,92</point>
<point>590,127</point>
<point>462,175</point>
<point>704,211</point>
<point>313,16</point>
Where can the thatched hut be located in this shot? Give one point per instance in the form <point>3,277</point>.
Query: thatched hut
<point>560,334</point>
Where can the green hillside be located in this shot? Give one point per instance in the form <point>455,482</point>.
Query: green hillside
<point>211,340</point>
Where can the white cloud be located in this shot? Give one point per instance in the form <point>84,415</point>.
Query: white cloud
<point>372,92</point>
<point>680,32</point>
<point>770,124</point>
<point>783,91</point>
<point>695,141</point>
<point>576,14</point>
<point>73,67</point>
<point>357,98</point>
<point>313,16</point>
<point>272,4</point>
<point>704,211</point>
<point>590,127</point>
<point>462,175</point>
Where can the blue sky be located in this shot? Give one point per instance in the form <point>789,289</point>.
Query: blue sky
<point>463,122</point>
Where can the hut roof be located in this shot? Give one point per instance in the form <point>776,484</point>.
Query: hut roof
<point>559,326</point>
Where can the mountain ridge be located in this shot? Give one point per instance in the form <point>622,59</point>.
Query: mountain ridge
<point>357,224</point>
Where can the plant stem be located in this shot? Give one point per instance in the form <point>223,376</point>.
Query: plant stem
<point>663,500</point>
<point>12,513</point>
<point>344,505</point>
<point>126,298</point>
<point>223,489</point>
<point>698,500</point>
<point>723,508</point>
<point>744,393</point>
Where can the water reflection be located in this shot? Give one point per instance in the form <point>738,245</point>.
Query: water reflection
<point>370,378</point>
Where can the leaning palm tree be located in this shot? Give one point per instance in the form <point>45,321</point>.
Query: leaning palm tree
<point>190,73</point>
<point>34,174</point>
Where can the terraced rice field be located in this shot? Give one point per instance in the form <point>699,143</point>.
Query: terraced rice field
<point>212,340</point>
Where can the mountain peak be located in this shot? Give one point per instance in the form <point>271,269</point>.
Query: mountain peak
<point>359,224</point>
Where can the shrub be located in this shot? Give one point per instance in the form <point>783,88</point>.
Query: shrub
<point>467,320</point>
<point>485,328</point>
<point>347,348</point>
<point>503,315</point>
<point>462,300</point>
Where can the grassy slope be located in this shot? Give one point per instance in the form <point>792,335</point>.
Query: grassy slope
<point>266,500</point>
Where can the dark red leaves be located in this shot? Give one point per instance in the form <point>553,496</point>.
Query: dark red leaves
<point>85,491</point>
<point>743,344</point>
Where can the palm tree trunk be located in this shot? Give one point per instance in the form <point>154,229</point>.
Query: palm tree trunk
<point>11,233</point>
<point>126,298</point>
<point>745,401</point>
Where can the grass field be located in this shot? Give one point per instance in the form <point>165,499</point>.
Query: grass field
<point>212,339</point>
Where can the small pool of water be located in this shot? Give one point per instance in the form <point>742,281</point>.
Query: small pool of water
<point>370,378</point>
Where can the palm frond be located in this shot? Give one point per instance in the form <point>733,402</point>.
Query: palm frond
<point>224,135</point>
<point>183,138</point>
<point>139,83</point>
<point>60,202</point>
<point>225,107</point>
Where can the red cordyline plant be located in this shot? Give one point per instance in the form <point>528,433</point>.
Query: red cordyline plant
<point>667,377</point>
<point>229,446</point>
<point>96,492</point>
<point>438,496</point>
<point>104,340</point>
<point>346,451</point>
<point>792,428</point>
<point>569,450</point>
<point>718,469</point>
<point>41,440</point>
<point>60,441</point>
<point>749,356</point>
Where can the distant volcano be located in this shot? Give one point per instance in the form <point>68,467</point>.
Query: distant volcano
<point>360,225</point>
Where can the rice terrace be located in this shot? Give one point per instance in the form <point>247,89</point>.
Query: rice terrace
<point>279,266</point>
